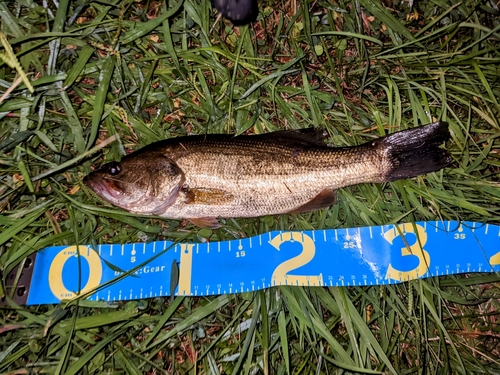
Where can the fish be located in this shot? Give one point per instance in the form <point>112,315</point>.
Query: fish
<point>239,12</point>
<point>204,177</point>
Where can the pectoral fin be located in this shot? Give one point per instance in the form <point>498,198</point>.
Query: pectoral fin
<point>324,199</point>
<point>206,222</point>
<point>207,196</point>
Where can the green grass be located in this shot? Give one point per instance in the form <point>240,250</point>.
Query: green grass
<point>141,72</point>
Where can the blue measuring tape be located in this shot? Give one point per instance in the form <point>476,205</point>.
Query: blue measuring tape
<point>376,255</point>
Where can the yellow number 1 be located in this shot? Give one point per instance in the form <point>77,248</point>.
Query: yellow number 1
<point>416,249</point>
<point>185,269</point>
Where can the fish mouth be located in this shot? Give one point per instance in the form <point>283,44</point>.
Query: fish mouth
<point>102,188</point>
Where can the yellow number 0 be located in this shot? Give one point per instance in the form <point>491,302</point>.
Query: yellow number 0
<point>56,282</point>
<point>416,250</point>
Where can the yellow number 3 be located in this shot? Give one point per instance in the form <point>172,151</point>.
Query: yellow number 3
<point>424,260</point>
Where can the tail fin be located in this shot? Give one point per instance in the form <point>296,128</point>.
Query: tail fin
<point>413,152</point>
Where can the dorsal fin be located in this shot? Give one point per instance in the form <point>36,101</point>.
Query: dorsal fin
<point>299,137</point>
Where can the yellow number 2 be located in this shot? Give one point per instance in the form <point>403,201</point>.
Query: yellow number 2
<point>424,259</point>
<point>280,274</point>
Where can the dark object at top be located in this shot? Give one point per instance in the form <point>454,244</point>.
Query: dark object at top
<point>239,12</point>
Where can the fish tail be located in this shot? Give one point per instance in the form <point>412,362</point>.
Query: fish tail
<point>413,152</point>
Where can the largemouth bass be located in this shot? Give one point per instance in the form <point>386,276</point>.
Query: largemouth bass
<point>201,178</point>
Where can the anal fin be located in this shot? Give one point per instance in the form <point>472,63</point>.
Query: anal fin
<point>205,222</point>
<point>324,199</point>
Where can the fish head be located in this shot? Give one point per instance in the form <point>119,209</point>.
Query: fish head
<point>139,183</point>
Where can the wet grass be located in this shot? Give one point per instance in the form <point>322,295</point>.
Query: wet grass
<point>81,74</point>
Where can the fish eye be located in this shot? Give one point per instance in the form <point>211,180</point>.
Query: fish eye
<point>114,169</point>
